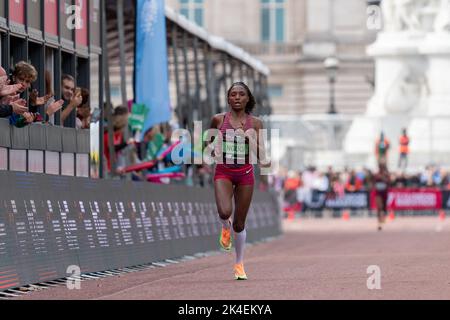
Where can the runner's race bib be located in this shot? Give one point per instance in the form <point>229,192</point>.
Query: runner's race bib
<point>234,151</point>
<point>381,186</point>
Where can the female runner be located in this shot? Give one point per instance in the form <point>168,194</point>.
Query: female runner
<point>234,177</point>
<point>381,183</point>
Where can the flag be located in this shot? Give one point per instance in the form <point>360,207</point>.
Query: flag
<point>137,117</point>
<point>151,68</point>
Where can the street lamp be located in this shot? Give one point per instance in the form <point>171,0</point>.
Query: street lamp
<point>331,65</point>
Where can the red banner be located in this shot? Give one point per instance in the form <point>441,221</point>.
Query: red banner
<point>51,17</point>
<point>81,34</point>
<point>411,199</point>
<point>17,11</point>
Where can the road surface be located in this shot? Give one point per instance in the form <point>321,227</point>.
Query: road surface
<point>313,259</point>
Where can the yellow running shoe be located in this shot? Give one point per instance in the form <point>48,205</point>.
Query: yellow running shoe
<point>239,273</point>
<point>225,239</point>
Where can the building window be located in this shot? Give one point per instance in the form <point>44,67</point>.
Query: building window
<point>275,91</point>
<point>193,10</point>
<point>272,20</point>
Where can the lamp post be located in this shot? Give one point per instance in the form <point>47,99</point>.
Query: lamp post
<point>331,65</point>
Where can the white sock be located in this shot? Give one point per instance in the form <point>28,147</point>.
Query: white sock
<point>226,223</point>
<point>239,243</point>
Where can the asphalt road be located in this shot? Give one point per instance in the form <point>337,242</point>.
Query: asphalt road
<point>314,259</point>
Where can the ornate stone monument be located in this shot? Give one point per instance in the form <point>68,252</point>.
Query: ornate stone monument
<point>412,88</point>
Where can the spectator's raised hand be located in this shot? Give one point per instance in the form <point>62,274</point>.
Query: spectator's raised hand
<point>10,89</point>
<point>19,106</point>
<point>29,117</point>
<point>76,99</point>
<point>7,100</point>
<point>54,107</point>
<point>35,100</point>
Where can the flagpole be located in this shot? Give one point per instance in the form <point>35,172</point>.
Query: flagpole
<point>123,78</point>
<point>108,109</point>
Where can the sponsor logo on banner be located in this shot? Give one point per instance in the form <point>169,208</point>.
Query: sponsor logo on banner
<point>412,199</point>
<point>351,200</point>
<point>354,200</point>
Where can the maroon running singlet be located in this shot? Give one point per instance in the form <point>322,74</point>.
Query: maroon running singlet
<point>238,174</point>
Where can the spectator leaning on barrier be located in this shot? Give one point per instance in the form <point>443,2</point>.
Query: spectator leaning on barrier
<point>52,106</point>
<point>72,98</point>
<point>22,76</point>
<point>10,101</point>
<point>83,111</point>
<point>25,74</point>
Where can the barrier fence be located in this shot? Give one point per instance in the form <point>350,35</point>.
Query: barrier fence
<point>414,199</point>
<point>49,223</point>
<point>400,201</point>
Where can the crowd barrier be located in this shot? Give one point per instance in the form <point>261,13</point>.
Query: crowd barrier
<point>42,148</point>
<point>49,223</point>
<point>412,199</point>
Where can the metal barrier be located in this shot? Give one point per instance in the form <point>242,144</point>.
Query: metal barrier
<point>49,223</point>
<point>44,149</point>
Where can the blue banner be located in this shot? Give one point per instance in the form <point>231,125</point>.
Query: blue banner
<point>151,69</point>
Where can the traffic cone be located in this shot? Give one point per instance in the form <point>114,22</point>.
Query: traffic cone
<point>345,215</point>
<point>441,215</point>
<point>391,215</point>
<point>291,215</point>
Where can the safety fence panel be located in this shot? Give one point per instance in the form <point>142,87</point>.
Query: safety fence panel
<point>49,223</point>
<point>411,199</point>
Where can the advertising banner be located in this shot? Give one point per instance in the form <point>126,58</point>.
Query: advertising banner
<point>411,199</point>
<point>50,223</point>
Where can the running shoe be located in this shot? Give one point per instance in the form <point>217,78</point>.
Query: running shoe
<point>225,239</point>
<point>239,273</point>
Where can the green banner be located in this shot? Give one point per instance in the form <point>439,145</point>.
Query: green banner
<point>138,114</point>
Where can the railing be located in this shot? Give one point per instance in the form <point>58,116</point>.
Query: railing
<point>272,48</point>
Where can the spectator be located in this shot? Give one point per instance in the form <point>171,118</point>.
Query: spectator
<point>23,75</point>
<point>337,186</point>
<point>83,111</point>
<point>404,150</point>
<point>321,182</point>
<point>400,181</point>
<point>353,183</point>
<point>436,177</point>
<point>445,181</point>
<point>152,144</point>
<point>367,179</point>
<point>72,98</point>
<point>120,121</point>
<point>308,177</point>
<point>52,106</point>
<point>291,185</point>
<point>10,102</point>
